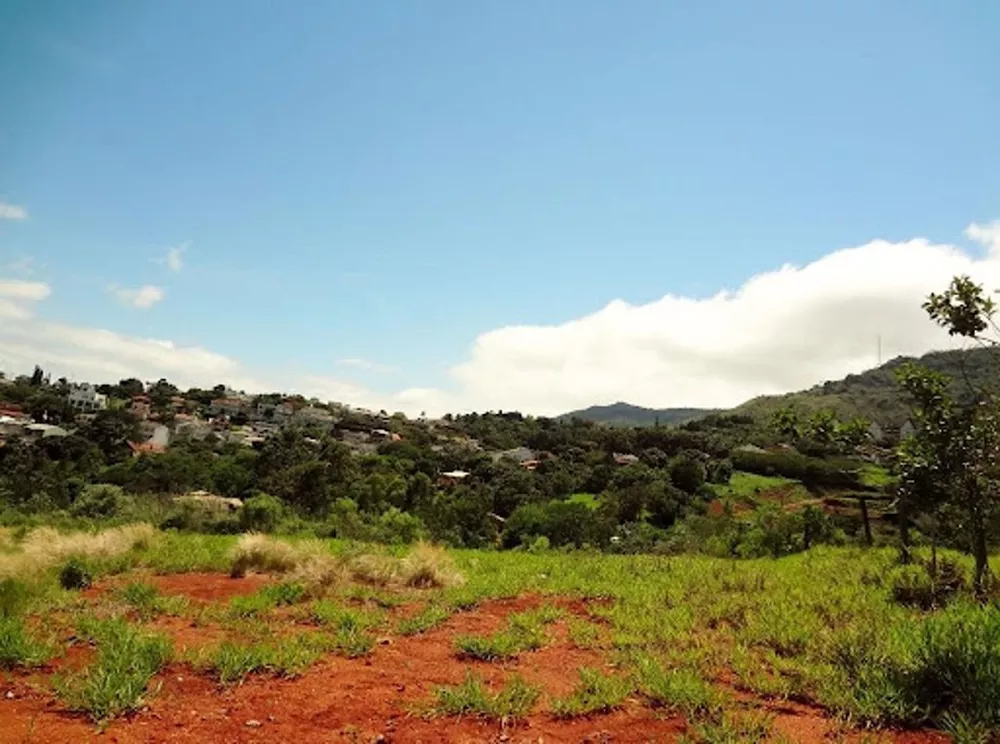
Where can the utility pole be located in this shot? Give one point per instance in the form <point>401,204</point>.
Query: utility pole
<point>879,352</point>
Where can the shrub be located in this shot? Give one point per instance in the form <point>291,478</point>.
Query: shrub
<point>100,501</point>
<point>261,513</point>
<point>263,553</point>
<point>76,573</point>
<point>926,586</point>
<point>687,473</point>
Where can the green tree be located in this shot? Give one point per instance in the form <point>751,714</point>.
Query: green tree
<point>951,465</point>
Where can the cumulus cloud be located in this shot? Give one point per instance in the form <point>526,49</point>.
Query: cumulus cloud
<point>12,211</point>
<point>17,295</point>
<point>142,298</point>
<point>782,330</point>
<point>987,235</point>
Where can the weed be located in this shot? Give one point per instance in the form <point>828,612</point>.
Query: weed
<point>514,700</point>
<point>595,693</point>
<point>427,619</point>
<point>147,602</point>
<point>678,690</point>
<point>732,729</point>
<point>342,619</point>
<point>17,647</point>
<point>584,634</point>
<point>116,683</point>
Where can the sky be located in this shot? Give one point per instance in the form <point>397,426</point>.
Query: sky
<point>451,206</point>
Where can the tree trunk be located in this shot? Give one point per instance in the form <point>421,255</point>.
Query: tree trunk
<point>866,522</point>
<point>904,534</point>
<point>981,553</point>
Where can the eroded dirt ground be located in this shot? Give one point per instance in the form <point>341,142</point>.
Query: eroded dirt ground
<point>373,698</point>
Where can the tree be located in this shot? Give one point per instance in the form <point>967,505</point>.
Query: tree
<point>112,430</point>
<point>37,377</point>
<point>949,467</point>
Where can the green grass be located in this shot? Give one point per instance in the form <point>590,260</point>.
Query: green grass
<point>428,618</point>
<point>473,698</point>
<point>18,647</point>
<point>117,681</point>
<point>231,663</point>
<point>596,693</point>
<point>678,690</point>
<point>876,476</point>
<point>525,632</point>
<point>146,601</point>
<point>747,487</point>
<point>265,599</point>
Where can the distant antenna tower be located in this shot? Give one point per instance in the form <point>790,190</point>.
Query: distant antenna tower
<point>879,346</point>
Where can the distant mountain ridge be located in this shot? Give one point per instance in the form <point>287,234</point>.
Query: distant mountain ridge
<point>874,394</point>
<point>625,414</point>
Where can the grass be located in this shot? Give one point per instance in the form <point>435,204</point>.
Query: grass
<point>116,683</point>
<point>473,698</point>
<point>147,602</point>
<point>18,647</point>
<point>824,627</point>
<point>747,486</point>
<point>428,618</point>
<point>595,693</point>
<point>525,632</point>
<point>876,476</point>
<point>589,500</point>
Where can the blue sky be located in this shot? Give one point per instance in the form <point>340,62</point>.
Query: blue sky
<point>390,181</point>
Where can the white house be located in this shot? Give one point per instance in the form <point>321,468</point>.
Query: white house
<point>84,397</point>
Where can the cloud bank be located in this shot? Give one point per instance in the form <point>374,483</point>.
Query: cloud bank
<point>782,330</point>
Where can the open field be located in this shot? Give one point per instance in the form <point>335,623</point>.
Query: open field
<point>328,641</point>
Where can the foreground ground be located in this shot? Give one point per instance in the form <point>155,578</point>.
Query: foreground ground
<point>670,650</point>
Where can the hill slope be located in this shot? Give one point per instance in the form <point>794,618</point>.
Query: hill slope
<point>875,394</point>
<point>624,414</point>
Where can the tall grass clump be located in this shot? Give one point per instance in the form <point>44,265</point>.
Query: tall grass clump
<point>429,567</point>
<point>473,698</point>
<point>595,693</point>
<point>116,683</point>
<point>45,547</point>
<point>259,552</point>
<point>18,648</point>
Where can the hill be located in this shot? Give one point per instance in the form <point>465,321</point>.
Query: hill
<point>875,394</point>
<point>625,414</point>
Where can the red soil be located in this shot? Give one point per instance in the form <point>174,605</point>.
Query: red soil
<point>360,700</point>
<point>208,587</point>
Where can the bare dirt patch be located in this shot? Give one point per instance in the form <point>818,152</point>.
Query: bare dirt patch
<point>359,700</point>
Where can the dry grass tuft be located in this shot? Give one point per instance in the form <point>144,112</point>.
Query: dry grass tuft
<point>45,547</point>
<point>310,564</point>
<point>429,567</point>
<point>262,553</point>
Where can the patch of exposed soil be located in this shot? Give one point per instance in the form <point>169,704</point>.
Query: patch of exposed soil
<point>208,587</point>
<point>358,700</point>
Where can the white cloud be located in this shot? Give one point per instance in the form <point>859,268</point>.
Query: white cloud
<point>782,330</point>
<point>175,258</point>
<point>366,365</point>
<point>142,298</point>
<point>12,212</point>
<point>987,235</point>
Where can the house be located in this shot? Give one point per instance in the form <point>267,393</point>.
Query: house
<point>519,455</point>
<point>10,425</point>
<point>140,406</point>
<point>625,459</point>
<point>13,410</point>
<point>383,434</point>
<point>84,397</point>
<point>312,415</point>
<point>452,478</point>
<point>227,406</point>
<point>44,431</point>
<point>907,429</point>
<point>876,432</point>
<point>146,448</point>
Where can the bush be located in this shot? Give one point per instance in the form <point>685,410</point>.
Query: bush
<point>812,471</point>
<point>100,501</point>
<point>76,573</point>
<point>687,473</point>
<point>926,586</point>
<point>261,513</point>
